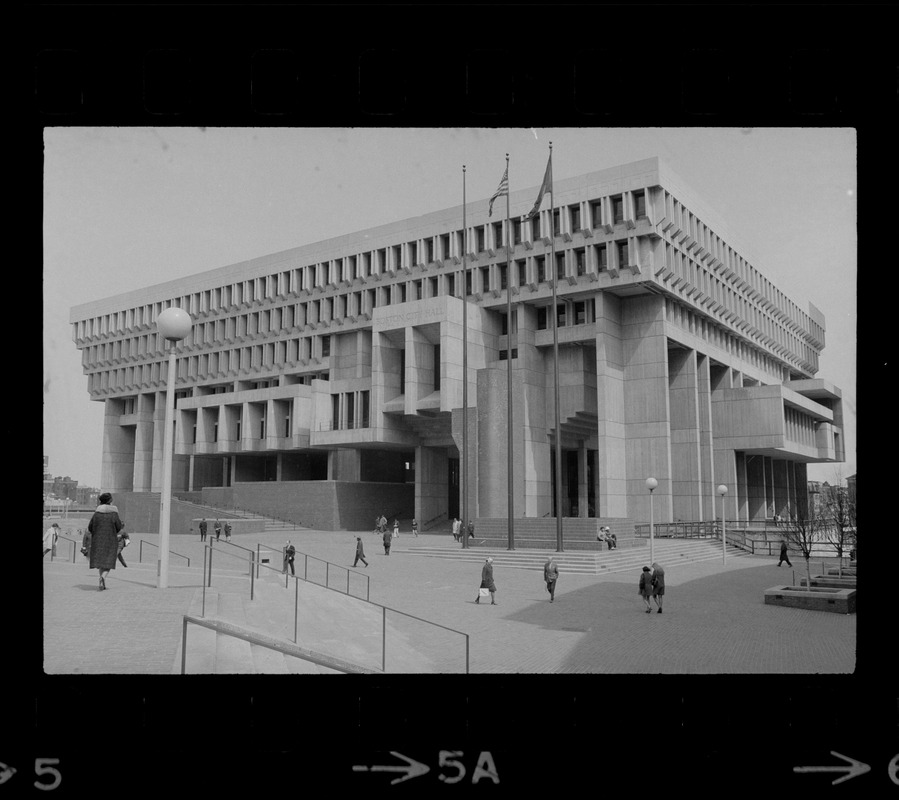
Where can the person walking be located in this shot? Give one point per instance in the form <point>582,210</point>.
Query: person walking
<point>551,575</point>
<point>360,553</point>
<point>470,529</point>
<point>50,538</point>
<point>658,585</point>
<point>103,530</point>
<point>386,537</point>
<point>784,555</point>
<point>457,528</point>
<point>217,527</point>
<point>203,526</point>
<point>227,531</point>
<point>396,528</point>
<point>382,523</point>
<point>487,582</point>
<point>290,553</point>
<point>646,588</point>
<point>414,526</point>
<point>123,541</point>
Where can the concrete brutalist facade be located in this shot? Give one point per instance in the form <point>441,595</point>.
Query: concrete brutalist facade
<point>342,362</point>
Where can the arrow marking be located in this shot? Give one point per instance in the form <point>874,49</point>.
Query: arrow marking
<point>412,768</point>
<point>854,768</point>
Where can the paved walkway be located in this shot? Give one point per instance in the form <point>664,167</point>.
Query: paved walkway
<point>714,619</point>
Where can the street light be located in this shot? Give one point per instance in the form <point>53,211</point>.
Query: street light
<point>173,325</point>
<point>722,490</point>
<point>652,484</point>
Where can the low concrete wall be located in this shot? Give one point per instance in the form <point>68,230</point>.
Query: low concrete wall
<point>840,601</point>
<point>321,505</point>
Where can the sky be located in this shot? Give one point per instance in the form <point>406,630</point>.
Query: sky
<point>128,208</point>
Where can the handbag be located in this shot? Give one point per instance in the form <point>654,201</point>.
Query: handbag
<point>483,592</point>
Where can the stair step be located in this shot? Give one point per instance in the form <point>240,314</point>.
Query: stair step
<point>672,552</point>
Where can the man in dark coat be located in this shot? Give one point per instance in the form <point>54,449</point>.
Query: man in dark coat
<point>551,575</point>
<point>360,553</point>
<point>387,536</point>
<point>290,553</point>
<point>103,530</point>
<point>203,525</point>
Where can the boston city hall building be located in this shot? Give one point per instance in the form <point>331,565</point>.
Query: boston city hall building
<point>324,384</point>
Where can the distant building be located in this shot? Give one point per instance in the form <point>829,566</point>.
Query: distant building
<point>330,375</point>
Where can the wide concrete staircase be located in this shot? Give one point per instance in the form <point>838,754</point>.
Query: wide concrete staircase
<point>668,552</point>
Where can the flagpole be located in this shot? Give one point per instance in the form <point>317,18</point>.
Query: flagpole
<point>464,372</point>
<point>555,313</point>
<point>509,469</point>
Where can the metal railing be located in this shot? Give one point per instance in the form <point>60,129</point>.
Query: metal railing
<point>248,636</point>
<point>256,565</point>
<point>74,543</point>
<point>140,552</point>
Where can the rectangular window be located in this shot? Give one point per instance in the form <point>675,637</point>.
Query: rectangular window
<point>557,222</point>
<point>580,262</point>
<point>498,235</point>
<point>541,269</point>
<point>364,420</point>
<point>596,212</point>
<point>560,266</point>
<point>516,232</point>
<point>479,238</point>
<point>575,213</point>
<point>618,209</point>
<point>402,372</point>
<point>622,254</point>
<point>485,279</point>
<point>445,246</point>
<point>535,227</point>
<point>502,276</point>
<point>560,315</point>
<point>640,204</point>
<point>580,313</point>
<point>541,318</point>
<point>350,410</point>
<point>326,346</point>
<point>335,412</point>
<point>602,257</point>
<point>429,250</point>
<point>522,273</point>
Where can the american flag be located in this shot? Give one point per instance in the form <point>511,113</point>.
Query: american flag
<point>502,189</point>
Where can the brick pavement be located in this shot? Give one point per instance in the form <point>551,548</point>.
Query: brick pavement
<point>715,619</point>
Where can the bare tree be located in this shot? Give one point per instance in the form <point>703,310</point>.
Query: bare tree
<point>839,510</point>
<point>801,530</point>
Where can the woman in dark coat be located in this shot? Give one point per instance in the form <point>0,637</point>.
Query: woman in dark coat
<point>104,530</point>
<point>658,585</point>
<point>487,582</point>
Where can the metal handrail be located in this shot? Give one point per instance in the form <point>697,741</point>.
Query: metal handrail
<point>140,552</point>
<point>247,636</point>
<point>326,585</point>
<point>65,539</point>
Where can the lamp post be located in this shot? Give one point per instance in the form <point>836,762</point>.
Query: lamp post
<point>173,325</point>
<point>722,490</point>
<point>652,484</point>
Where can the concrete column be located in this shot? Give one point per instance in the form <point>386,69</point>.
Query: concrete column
<point>686,475</point>
<point>647,413</point>
<point>706,444</point>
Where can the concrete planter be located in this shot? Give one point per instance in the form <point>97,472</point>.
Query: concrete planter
<point>830,581</point>
<point>839,601</point>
